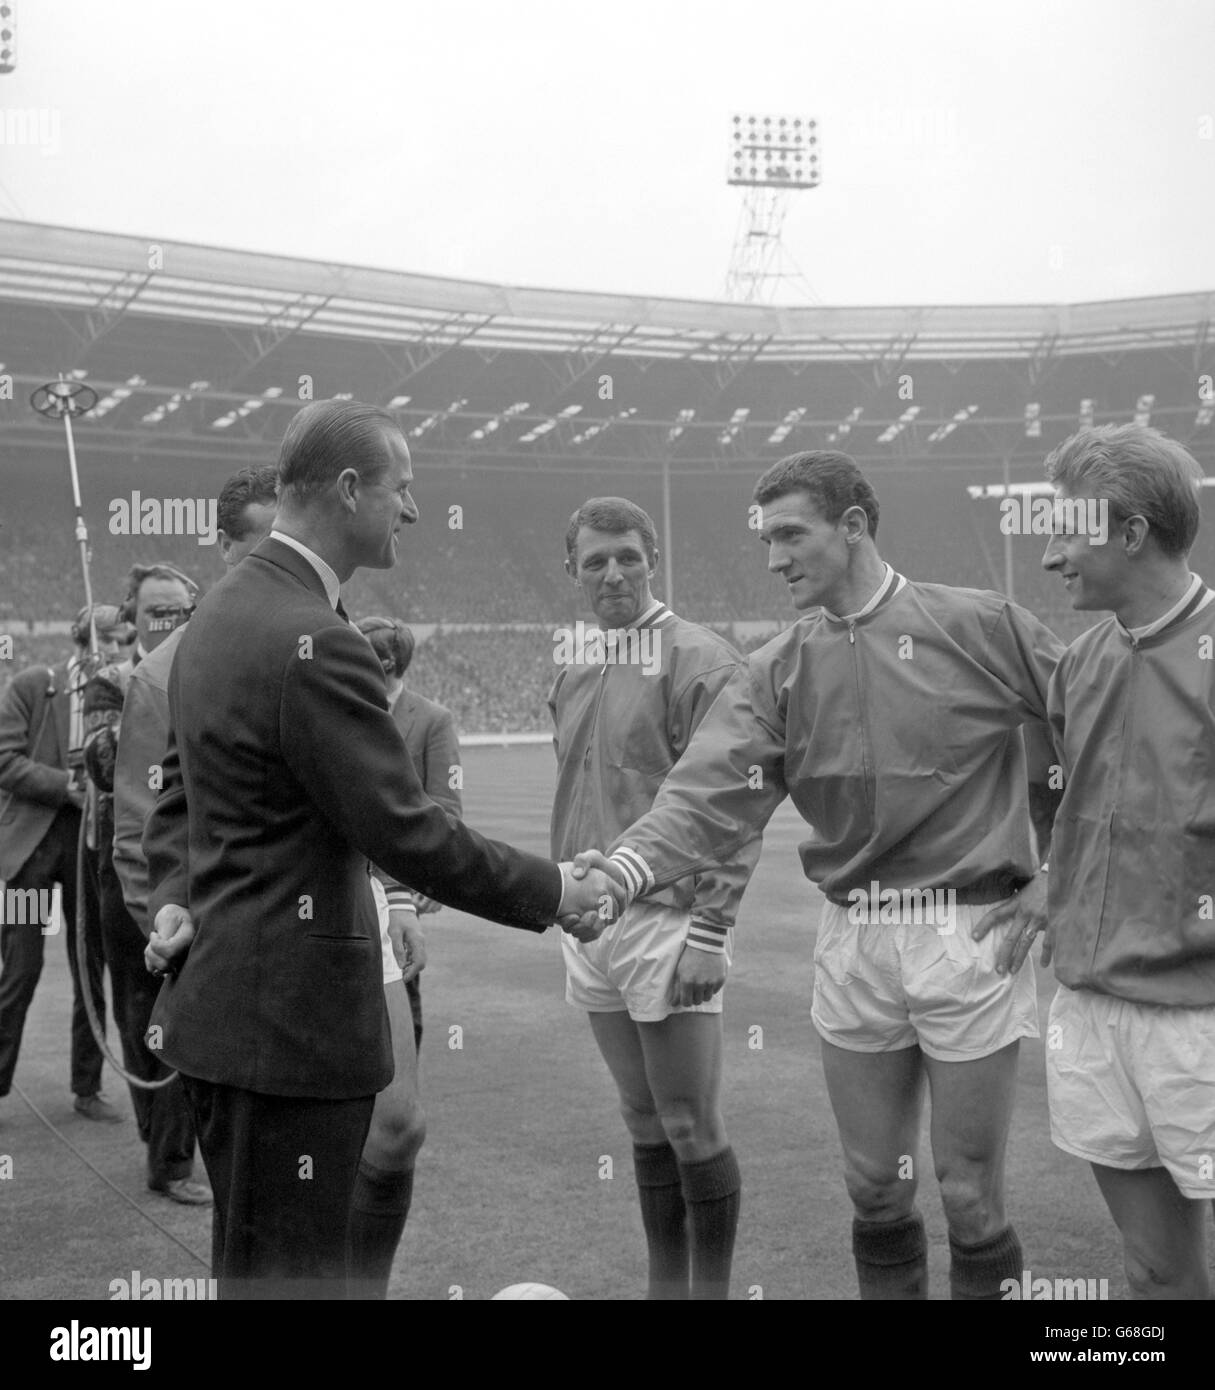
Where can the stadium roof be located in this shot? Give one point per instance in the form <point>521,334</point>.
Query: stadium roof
<point>108,275</point>
<point>183,341</point>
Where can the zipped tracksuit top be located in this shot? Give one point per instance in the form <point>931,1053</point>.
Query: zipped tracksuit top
<point>1132,881</point>
<point>619,728</point>
<point>897,732</point>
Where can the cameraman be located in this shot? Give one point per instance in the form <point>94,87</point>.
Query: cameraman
<point>42,795</point>
<point>159,599</point>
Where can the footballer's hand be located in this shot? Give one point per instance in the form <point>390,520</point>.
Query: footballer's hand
<point>1048,943</point>
<point>698,976</point>
<point>408,942</point>
<point>171,935</point>
<point>396,933</point>
<point>590,900</point>
<point>589,859</point>
<point>1022,917</point>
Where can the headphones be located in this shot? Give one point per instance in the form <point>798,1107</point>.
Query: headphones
<point>126,610</point>
<point>394,641</point>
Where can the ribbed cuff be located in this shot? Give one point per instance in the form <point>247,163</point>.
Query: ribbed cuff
<point>399,900</point>
<point>707,936</point>
<point>638,877</point>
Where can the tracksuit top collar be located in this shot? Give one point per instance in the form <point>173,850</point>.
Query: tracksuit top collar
<point>891,584</point>
<point>1196,597</point>
<point>656,613</point>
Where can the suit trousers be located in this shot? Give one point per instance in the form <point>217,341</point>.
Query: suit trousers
<point>282,1171</point>
<point>22,949</point>
<point>163,1116</point>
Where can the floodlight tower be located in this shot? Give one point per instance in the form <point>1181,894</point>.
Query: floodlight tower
<point>771,157</point>
<point>8,38</point>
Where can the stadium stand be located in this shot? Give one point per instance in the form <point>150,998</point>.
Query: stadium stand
<point>519,404</point>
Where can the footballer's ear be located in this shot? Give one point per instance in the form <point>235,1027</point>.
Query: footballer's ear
<point>1135,531</point>
<point>855,522</point>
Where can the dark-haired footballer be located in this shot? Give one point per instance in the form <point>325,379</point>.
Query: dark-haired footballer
<point>629,696</point>
<point>893,716</point>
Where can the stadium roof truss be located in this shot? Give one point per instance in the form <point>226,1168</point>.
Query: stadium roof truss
<point>214,335</point>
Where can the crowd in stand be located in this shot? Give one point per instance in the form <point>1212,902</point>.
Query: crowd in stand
<point>493,682</point>
<point>503,564</point>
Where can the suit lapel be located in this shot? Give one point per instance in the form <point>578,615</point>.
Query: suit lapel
<point>293,562</point>
<point>407,712</point>
<point>62,711</point>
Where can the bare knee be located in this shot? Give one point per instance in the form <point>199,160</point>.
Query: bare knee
<point>694,1129</point>
<point>397,1134</point>
<point>681,1122</point>
<point>879,1196</point>
<point>973,1208</point>
<point>1151,1274</point>
<point>641,1118</point>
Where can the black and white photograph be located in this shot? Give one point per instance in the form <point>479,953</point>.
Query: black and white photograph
<point>607,671</point>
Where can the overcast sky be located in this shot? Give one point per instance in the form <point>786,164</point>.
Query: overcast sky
<point>972,150</point>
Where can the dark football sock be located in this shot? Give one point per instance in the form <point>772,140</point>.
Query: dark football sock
<point>712,1189</point>
<point>977,1271</point>
<point>891,1258</point>
<point>664,1217</point>
<point>378,1211</point>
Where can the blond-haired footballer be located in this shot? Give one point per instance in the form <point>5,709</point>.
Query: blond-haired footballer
<point>1131,1047</point>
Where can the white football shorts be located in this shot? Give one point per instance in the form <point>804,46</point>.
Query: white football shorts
<point>631,965</point>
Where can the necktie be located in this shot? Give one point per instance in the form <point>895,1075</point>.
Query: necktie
<point>340,611</point>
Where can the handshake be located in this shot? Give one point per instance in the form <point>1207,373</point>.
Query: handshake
<point>594,894</point>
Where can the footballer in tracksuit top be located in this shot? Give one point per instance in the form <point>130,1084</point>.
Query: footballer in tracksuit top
<point>1131,1043</point>
<point>897,729</point>
<point>627,700</point>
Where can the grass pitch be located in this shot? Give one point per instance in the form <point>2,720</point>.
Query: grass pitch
<point>526,1174</point>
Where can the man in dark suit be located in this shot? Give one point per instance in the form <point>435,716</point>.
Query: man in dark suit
<point>284,776</point>
<point>244,513</point>
<point>42,794</point>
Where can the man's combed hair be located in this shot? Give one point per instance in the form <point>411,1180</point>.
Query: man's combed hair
<point>391,640</point>
<point>1139,472</point>
<point>832,481</point>
<point>615,515</point>
<point>140,574</point>
<point>327,437</point>
<point>243,489</point>
<point>108,620</point>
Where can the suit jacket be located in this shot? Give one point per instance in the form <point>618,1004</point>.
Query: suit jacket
<point>429,732</point>
<point>143,735</point>
<point>33,782</point>
<point>284,775</point>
